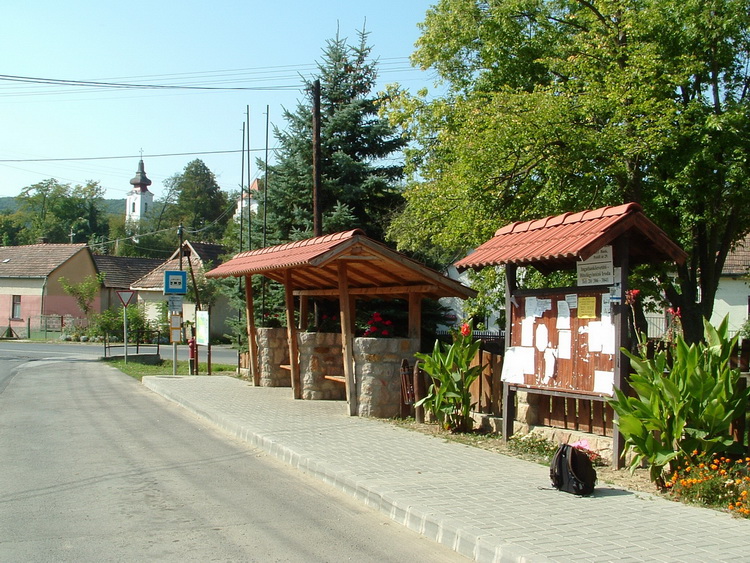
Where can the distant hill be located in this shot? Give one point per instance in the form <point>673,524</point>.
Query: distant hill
<point>109,206</point>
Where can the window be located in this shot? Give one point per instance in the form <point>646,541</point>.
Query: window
<point>145,208</point>
<point>132,209</point>
<point>16,311</point>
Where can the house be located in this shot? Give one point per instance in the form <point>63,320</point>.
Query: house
<point>197,258</point>
<point>30,286</point>
<point>119,274</point>
<point>733,294</point>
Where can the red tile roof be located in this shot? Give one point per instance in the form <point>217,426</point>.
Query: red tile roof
<point>557,242</point>
<point>372,268</point>
<point>738,259</point>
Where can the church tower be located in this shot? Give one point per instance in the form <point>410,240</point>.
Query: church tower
<point>139,200</point>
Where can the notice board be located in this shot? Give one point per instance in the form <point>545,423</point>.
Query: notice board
<point>562,339</point>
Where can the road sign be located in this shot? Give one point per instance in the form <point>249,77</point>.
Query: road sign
<point>175,282</point>
<point>174,303</point>
<point>125,296</point>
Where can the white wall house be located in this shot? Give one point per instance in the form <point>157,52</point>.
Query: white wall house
<point>733,295</point>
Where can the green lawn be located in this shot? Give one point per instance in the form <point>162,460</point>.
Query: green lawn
<point>138,370</point>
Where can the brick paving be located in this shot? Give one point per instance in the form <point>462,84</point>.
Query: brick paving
<point>485,505</point>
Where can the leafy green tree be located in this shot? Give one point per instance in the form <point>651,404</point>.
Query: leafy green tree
<point>84,291</point>
<point>200,204</point>
<point>360,181</point>
<point>60,212</point>
<point>556,106</point>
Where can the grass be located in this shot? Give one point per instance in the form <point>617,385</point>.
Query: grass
<point>137,370</point>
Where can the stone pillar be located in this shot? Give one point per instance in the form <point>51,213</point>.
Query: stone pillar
<point>377,364</point>
<point>273,353</point>
<point>320,356</point>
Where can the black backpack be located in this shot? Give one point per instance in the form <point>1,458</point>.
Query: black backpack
<point>571,471</point>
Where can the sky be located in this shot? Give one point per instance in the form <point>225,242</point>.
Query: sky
<point>63,131</point>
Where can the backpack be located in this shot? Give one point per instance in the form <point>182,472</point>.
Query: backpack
<point>571,471</point>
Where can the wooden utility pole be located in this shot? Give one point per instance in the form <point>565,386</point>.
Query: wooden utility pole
<point>317,211</point>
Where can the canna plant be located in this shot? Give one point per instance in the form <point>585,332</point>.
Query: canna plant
<point>449,366</point>
<point>683,404</point>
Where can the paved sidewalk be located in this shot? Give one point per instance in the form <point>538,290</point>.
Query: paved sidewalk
<point>484,505</point>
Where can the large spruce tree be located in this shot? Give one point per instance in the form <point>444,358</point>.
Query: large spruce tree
<point>360,168</point>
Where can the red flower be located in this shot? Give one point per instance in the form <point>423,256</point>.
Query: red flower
<point>631,296</point>
<point>384,332</point>
<point>465,329</point>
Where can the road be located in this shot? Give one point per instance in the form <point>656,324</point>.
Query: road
<point>94,467</point>
<point>219,354</point>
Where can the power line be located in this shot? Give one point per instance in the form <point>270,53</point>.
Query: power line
<point>70,159</point>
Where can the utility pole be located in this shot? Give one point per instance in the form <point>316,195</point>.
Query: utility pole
<point>317,211</point>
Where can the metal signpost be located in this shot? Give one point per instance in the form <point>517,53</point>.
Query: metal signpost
<point>175,286</point>
<point>125,298</point>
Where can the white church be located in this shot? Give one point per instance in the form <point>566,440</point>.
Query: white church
<point>139,200</point>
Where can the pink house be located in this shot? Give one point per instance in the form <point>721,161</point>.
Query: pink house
<point>30,282</point>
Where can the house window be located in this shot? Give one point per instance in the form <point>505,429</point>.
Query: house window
<point>145,208</point>
<point>132,209</point>
<point>16,311</point>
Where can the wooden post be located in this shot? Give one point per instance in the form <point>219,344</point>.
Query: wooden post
<point>415,315</point>
<point>347,338</point>
<point>622,340</point>
<point>291,331</point>
<point>252,340</point>
<point>509,395</point>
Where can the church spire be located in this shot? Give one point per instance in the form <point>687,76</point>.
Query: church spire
<point>141,180</point>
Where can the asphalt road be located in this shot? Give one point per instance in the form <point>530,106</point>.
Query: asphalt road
<point>25,349</point>
<point>94,467</point>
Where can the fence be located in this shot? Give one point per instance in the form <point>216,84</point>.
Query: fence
<point>143,341</point>
<point>43,327</point>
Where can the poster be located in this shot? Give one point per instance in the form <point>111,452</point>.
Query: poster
<point>587,307</point>
<point>518,361</point>
<point>527,331</point>
<point>564,344</point>
<point>604,382</point>
<point>572,300</point>
<point>563,315</point>
<point>542,337</point>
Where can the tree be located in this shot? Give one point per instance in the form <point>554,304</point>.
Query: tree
<point>84,291</point>
<point>559,106</point>
<point>200,206</point>
<point>59,212</point>
<point>360,184</point>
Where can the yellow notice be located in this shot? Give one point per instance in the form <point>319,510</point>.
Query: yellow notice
<point>586,307</point>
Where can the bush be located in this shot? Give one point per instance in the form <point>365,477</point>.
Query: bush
<point>714,481</point>
<point>110,322</point>
<point>687,398</point>
<point>532,445</point>
<point>452,374</point>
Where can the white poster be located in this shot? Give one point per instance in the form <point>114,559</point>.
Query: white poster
<point>542,337</point>
<point>517,362</point>
<point>550,360</point>
<point>572,300</point>
<point>604,382</point>
<point>563,315</point>
<point>564,342</point>
<point>527,331</point>
<point>595,336</point>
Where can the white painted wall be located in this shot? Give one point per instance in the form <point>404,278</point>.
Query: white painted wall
<point>731,299</point>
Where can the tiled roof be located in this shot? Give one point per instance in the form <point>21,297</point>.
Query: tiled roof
<point>35,260</point>
<point>557,242</point>
<point>738,259</point>
<point>122,271</point>
<point>154,280</point>
<point>209,253</point>
<point>313,265</point>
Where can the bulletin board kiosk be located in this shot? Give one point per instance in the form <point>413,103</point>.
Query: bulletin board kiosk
<point>567,341</point>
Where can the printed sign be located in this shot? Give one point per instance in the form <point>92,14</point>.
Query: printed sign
<point>597,270</point>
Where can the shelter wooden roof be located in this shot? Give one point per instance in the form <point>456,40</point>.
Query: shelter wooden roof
<point>373,269</point>
<point>558,242</point>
